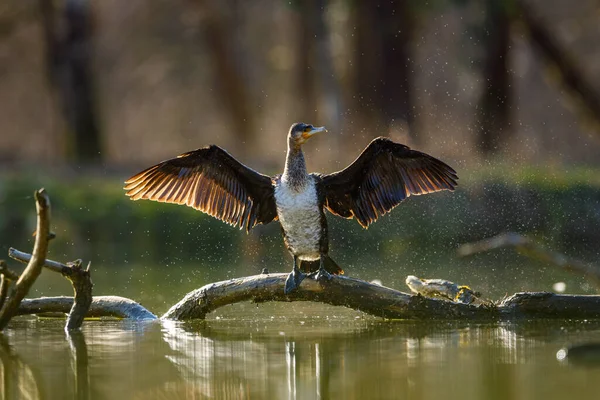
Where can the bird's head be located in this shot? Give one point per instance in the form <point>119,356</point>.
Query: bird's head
<point>301,132</point>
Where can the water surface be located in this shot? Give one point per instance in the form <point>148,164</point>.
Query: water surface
<point>295,351</point>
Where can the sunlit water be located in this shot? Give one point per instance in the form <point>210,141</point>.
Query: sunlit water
<point>298,351</point>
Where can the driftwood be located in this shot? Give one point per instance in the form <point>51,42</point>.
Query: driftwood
<point>450,301</point>
<point>78,307</point>
<point>34,267</point>
<point>7,276</point>
<point>379,301</point>
<point>101,306</point>
<point>339,291</point>
<point>370,298</point>
<point>79,278</point>
<point>82,304</point>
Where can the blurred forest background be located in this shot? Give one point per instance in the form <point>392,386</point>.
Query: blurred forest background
<point>506,91</point>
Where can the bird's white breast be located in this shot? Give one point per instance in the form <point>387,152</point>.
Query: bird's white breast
<point>299,215</point>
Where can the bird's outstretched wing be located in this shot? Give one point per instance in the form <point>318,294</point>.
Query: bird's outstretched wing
<point>212,181</point>
<point>383,175</point>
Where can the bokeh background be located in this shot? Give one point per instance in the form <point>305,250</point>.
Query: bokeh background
<point>506,91</point>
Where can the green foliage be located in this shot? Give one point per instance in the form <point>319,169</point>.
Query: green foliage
<point>94,220</point>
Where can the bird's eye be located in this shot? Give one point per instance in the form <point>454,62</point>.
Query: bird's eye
<point>308,128</point>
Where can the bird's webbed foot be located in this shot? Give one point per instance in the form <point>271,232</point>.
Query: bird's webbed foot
<point>321,274</point>
<point>293,280</point>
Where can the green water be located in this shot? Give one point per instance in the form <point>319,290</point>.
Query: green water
<point>298,350</point>
<point>265,353</point>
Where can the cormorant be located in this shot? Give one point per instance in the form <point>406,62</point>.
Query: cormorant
<point>212,181</point>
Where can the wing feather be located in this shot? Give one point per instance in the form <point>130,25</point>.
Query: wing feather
<point>382,176</point>
<point>212,181</point>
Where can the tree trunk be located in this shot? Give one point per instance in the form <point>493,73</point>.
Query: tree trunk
<point>305,93</point>
<point>68,56</point>
<point>383,66</point>
<point>397,19</point>
<point>231,88</point>
<point>493,113</point>
<point>571,77</point>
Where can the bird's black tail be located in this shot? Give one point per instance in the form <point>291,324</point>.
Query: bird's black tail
<point>330,265</point>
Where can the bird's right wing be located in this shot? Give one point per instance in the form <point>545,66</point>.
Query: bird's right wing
<point>212,181</point>
<point>383,175</point>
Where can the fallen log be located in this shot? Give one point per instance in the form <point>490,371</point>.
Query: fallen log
<point>354,293</point>
<point>450,301</point>
<point>380,301</point>
<point>101,306</point>
<point>344,291</point>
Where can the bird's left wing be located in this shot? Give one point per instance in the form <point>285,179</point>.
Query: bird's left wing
<point>383,175</point>
<point>212,181</point>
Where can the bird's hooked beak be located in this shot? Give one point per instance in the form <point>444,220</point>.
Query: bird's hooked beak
<point>308,134</point>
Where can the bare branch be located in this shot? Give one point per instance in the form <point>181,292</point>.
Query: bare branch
<point>7,276</point>
<point>7,272</point>
<point>549,305</point>
<point>573,78</point>
<point>83,304</point>
<point>378,300</point>
<point>26,257</point>
<point>82,287</point>
<point>339,291</point>
<point>80,279</point>
<point>533,250</point>
<point>4,286</point>
<point>101,306</point>
<point>34,268</point>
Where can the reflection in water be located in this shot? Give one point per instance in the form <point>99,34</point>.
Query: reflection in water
<point>19,381</point>
<point>374,360</point>
<point>294,359</point>
<point>79,364</point>
<point>290,361</point>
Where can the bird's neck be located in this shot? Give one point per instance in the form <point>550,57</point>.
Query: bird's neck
<point>295,174</point>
